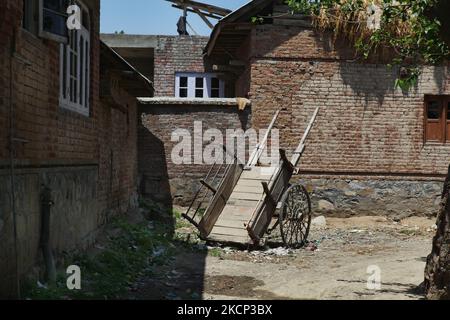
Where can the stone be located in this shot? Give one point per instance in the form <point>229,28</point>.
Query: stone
<point>320,222</point>
<point>2,224</point>
<point>350,193</point>
<point>326,205</point>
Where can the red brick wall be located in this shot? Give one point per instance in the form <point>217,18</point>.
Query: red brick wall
<point>56,136</point>
<point>88,162</point>
<point>365,124</point>
<point>176,54</point>
<point>117,140</point>
<point>53,134</point>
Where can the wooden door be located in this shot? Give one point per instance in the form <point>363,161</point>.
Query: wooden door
<point>435,119</point>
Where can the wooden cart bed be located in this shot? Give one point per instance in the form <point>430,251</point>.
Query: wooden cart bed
<point>244,200</point>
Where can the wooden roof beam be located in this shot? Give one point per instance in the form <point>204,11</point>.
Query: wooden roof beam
<point>206,14</point>
<point>203,6</point>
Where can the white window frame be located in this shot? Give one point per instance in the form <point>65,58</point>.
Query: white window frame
<point>79,99</point>
<point>192,76</point>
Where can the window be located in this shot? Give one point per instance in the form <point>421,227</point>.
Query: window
<point>199,85</point>
<point>215,88</point>
<point>75,67</point>
<point>183,87</point>
<point>52,20</point>
<point>47,18</point>
<point>437,118</point>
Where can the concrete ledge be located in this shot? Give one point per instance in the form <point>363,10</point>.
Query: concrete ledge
<point>232,102</point>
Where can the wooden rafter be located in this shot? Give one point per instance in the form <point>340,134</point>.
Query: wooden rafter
<point>202,6</point>
<point>203,10</point>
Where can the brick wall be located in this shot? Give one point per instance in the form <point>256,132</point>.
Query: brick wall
<point>160,177</point>
<point>366,153</point>
<point>88,162</point>
<point>117,173</point>
<point>176,54</point>
<point>365,125</point>
<point>52,132</point>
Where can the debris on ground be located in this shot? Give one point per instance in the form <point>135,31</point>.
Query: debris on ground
<point>281,251</point>
<point>311,246</point>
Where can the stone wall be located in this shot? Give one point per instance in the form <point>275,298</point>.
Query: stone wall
<point>383,196</point>
<point>74,218</point>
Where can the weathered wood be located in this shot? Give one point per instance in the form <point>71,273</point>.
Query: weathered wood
<point>248,189</point>
<point>213,190</point>
<point>216,10</point>
<point>230,221</point>
<point>249,183</point>
<point>220,199</point>
<point>257,153</point>
<point>267,193</point>
<point>231,231</point>
<point>245,196</point>
<point>225,238</point>
<point>243,203</point>
<point>246,200</point>
<point>264,213</point>
<point>259,173</point>
<point>301,147</point>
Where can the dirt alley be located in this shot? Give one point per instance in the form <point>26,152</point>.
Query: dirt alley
<point>333,266</point>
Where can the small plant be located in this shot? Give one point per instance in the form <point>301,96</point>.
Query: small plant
<point>407,79</point>
<point>110,273</point>
<point>215,252</point>
<point>402,28</point>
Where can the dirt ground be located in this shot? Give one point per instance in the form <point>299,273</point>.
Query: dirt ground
<point>333,266</point>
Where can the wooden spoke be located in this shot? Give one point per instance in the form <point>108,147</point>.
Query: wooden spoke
<point>295,216</point>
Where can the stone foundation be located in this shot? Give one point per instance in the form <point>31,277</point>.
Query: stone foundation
<point>396,199</point>
<point>74,216</point>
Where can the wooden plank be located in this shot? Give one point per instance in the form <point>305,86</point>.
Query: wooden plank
<point>232,210</point>
<point>252,183</point>
<point>239,232</point>
<point>257,153</point>
<point>267,208</point>
<point>243,203</point>
<point>235,222</point>
<point>246,196</point>
<point>229,239</point>
<point>219,201</point>
<point>255,189</point>
<point>301,147</point>
<point>259,173</point>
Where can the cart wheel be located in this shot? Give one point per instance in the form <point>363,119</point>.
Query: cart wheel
<point>295,216</point>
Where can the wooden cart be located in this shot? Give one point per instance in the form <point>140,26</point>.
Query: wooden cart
<point>239,203</point>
